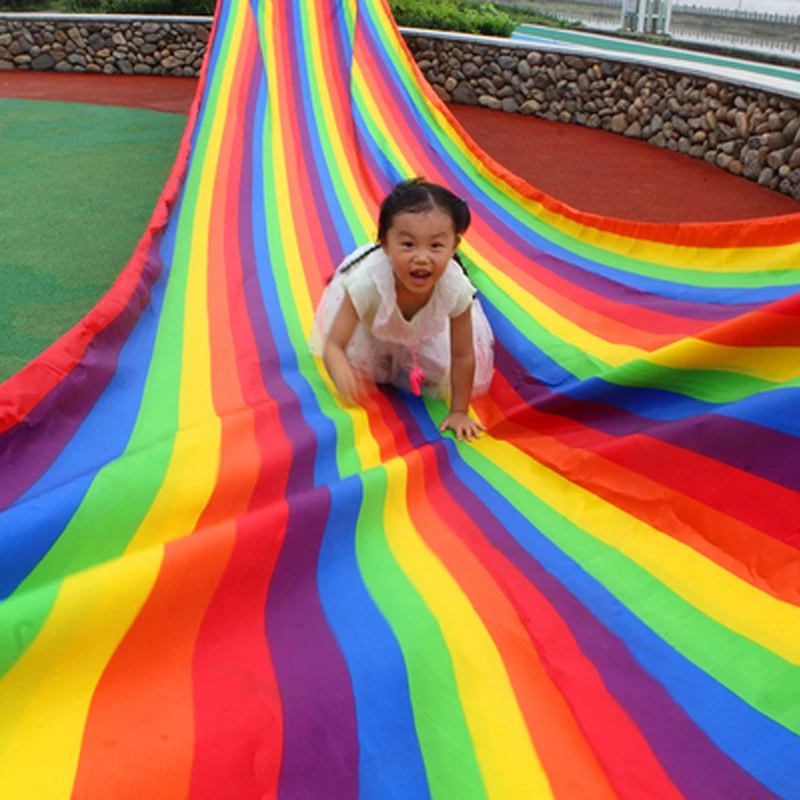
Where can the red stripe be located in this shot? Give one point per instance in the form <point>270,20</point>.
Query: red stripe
<point>238,718</point>
<point>778,325</point>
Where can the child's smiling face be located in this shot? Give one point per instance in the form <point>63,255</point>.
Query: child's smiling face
<point>420,245</point>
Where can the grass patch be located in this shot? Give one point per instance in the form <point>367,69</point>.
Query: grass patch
<point>575,11</point>
<point>449,15</point>
<point>522,12</point>
<point>86,179</point>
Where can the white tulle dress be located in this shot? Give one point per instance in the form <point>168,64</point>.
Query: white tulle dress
<point>411,354</point>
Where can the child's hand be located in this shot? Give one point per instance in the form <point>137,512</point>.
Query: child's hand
<point>334,355</point>
<point>348,385</point>
<point>462,425</point>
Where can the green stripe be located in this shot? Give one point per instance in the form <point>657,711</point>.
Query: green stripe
<point>447,749</point>
<point>708,385</point>
<point>568,356</point>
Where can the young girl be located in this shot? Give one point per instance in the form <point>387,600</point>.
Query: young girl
<point>404,312</point>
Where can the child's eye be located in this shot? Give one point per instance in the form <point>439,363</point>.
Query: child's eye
<point>406,244</point>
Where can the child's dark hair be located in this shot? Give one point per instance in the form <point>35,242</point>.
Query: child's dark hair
<point>417,196</point>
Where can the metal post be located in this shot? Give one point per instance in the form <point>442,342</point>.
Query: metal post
<point>641,13</point>
<point>668,18</point>
<point>628,21</point>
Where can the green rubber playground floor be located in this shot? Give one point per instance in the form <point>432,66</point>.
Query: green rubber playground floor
<point>78,184</point>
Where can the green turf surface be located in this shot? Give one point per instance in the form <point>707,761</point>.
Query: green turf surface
<point>78,184</point>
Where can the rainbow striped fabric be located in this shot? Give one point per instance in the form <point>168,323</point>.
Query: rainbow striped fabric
<point>218,582</point>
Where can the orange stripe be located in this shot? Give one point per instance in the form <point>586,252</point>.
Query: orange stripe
<point>140,724</point>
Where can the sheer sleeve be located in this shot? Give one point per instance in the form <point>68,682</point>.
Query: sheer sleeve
<point>363,293</point>
<point>460,291</point>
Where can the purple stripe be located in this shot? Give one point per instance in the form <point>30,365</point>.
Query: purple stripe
<point>765,452</point>
<point>29,448</point>
<point>320,752</point>
<point>770,454</point>
<point>321,756</point>
<point>696,765</point>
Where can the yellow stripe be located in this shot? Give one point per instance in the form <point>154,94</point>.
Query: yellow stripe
<point>776,364</point>
<point>350,186</point>
<point>193,467</point>
<point>367,447</point>
<point>681,257</point>
<point>45,697</point>
<point>510,767</point>
<point>714,591</point>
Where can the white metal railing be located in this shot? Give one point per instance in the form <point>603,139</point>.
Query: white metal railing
<point>759,43</point>
<point>737,14</point>
<point>683,32</point>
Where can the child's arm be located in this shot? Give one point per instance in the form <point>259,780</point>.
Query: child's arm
<point>334,353</point>
<point>462,373</point>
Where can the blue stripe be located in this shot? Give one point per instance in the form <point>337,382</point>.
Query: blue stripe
<point>390,763</point>
<point>322,435</point>
<point>776,409</point>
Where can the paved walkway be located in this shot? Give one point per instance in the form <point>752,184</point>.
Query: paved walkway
<point>591,170</point>
<point>757,75</point>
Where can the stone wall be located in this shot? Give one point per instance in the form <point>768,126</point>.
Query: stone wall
<point>103,44</point>
<point>744,131</point>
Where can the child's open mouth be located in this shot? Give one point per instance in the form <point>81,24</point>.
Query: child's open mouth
<point>420,276</point>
